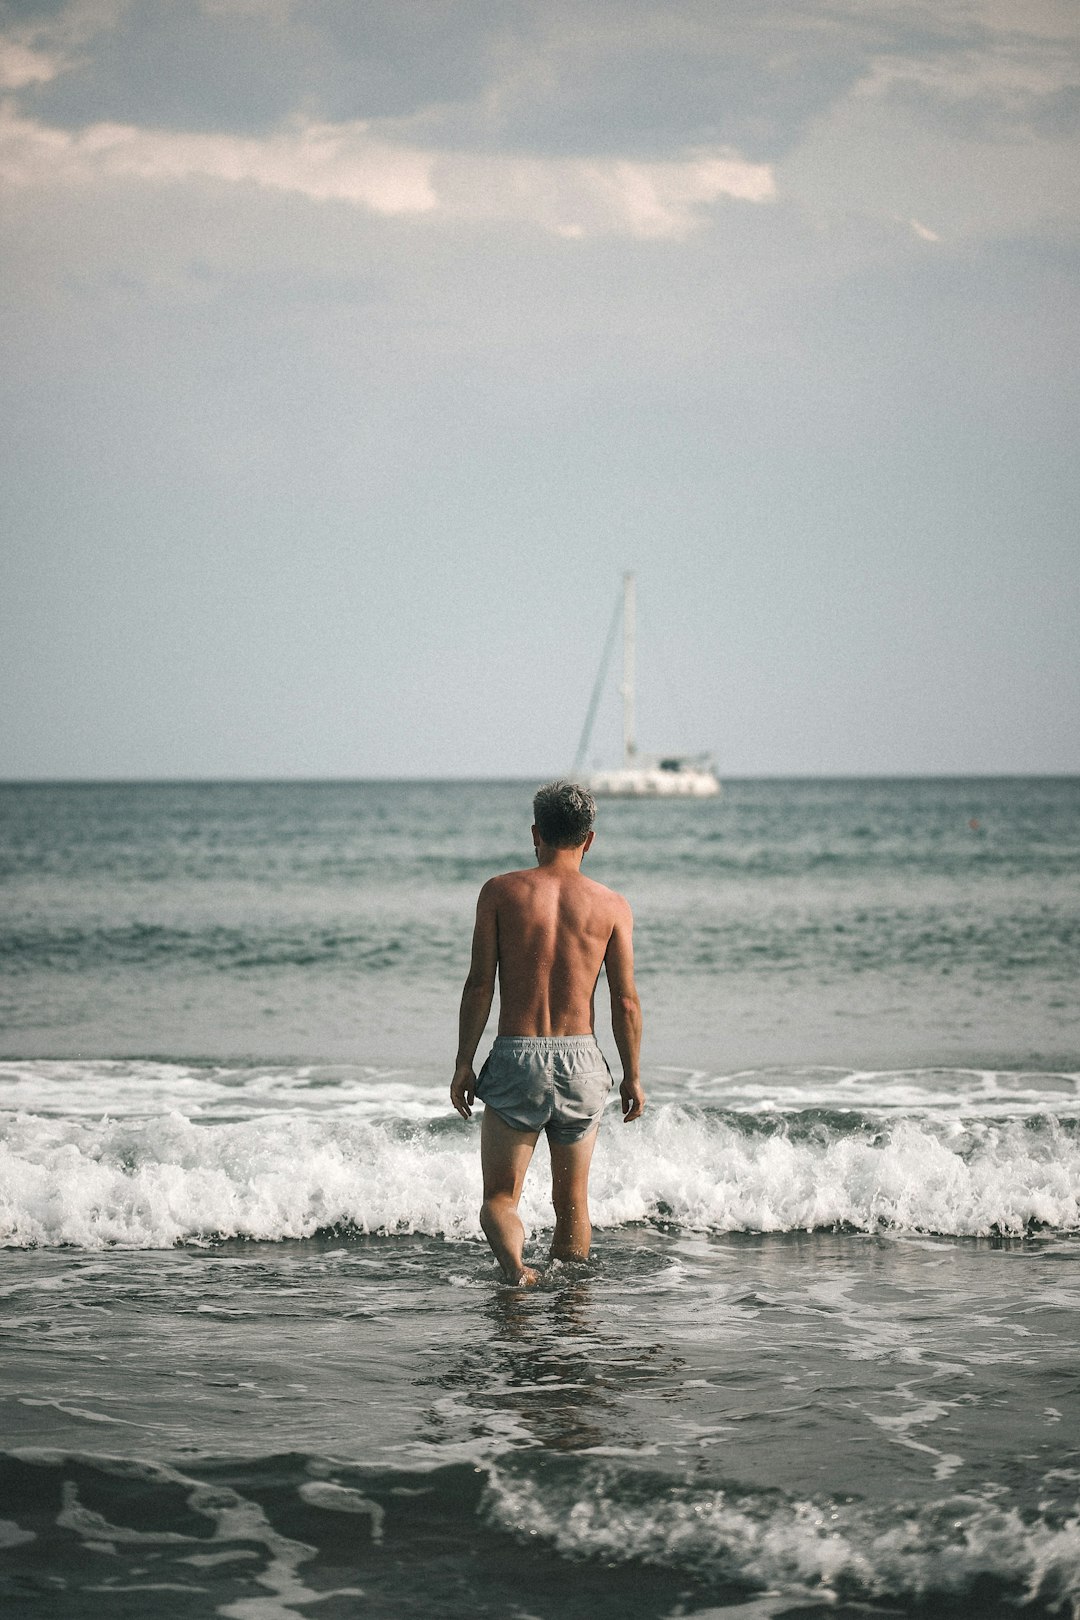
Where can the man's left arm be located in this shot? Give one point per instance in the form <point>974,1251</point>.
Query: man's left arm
<point>625,1010</point>
<point>476,999</point>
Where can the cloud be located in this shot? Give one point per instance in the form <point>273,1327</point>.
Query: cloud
<point>322,161</point>
<point>21,65</point>
<point>351,162</point>
<point>577,197</point>
<point>646,80</point>
<point>1011,81</point>
<point>982,139</point>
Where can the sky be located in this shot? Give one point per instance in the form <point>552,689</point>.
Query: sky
<point>350,350</point>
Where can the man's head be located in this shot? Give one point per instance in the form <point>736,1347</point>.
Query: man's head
<point>564,814</point>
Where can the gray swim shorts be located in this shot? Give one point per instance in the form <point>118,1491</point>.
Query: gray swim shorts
<point>553,1083</point>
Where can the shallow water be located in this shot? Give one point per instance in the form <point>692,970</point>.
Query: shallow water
<point>690,1420</point>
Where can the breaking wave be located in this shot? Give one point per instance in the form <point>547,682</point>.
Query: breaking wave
<point>269,1533</point>
<point>758,1538</point>
<point>153,1183</point>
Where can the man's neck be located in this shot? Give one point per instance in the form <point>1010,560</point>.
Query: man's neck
<point>559,860</point>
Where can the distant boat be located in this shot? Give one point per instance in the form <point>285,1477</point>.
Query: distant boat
<point>640,776</point>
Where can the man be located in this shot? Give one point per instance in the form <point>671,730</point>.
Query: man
<point>546,932</point>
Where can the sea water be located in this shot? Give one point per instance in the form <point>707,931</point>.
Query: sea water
<point>256,1359</point>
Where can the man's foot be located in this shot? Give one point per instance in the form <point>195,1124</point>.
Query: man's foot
<point>528,1277</point>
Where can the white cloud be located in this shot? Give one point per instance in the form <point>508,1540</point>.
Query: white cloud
<point>351,162</point>
<point>1011,73</point>
<point>954,141</point>
<point>21,65</point>
<point>319,160</point>
<point>578,197</point>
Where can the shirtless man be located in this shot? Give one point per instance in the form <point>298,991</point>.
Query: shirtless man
<point>547,932</point>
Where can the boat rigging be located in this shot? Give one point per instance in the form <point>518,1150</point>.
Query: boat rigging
<point>639,776</point>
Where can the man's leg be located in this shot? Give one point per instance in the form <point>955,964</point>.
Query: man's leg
<point>505,1155</point>
<point>570,1163</point>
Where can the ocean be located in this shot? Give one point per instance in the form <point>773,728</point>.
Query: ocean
<point>256,1359</point>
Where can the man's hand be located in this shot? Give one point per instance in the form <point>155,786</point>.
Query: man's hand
<point>463,1089</point>
<point>633,1100</point>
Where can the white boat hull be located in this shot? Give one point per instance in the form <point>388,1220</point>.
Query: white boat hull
<point>651,782</point>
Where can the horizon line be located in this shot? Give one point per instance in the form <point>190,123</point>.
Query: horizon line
<point>395,780</point>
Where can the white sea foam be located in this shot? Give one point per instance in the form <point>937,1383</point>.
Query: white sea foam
<point>978,1092</point>
<point>155,1182</point>
<point>766,1539</point>
<point>968,1179</point>
<point>138,1087</point>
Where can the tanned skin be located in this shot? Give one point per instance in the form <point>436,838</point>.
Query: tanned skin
<point>545,933</point>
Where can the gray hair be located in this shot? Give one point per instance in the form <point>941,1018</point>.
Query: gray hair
<point>564,814</point>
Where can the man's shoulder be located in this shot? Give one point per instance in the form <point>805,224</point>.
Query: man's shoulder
<point>503,878</point>
<point>519,885</point>
<point>503,881</point>
<point>605,896</point>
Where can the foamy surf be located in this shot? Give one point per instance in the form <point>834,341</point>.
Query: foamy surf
<point>805,1548</point>
<point>273,1532</point>
<point>153,1183</point>
<point>139,1087</point>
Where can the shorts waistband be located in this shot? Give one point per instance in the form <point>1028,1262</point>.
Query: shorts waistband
<point>543,1043</point>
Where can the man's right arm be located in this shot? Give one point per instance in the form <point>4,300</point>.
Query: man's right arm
<point>625,1010</point>
<point>476,999</point>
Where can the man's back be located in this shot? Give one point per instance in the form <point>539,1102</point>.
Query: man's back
<point>554,930</point>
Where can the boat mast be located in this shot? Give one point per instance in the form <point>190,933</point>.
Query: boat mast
<point>598,689</point>
<point>629,615</point>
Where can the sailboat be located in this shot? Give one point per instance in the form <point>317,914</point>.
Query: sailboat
<point>639,776</point>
